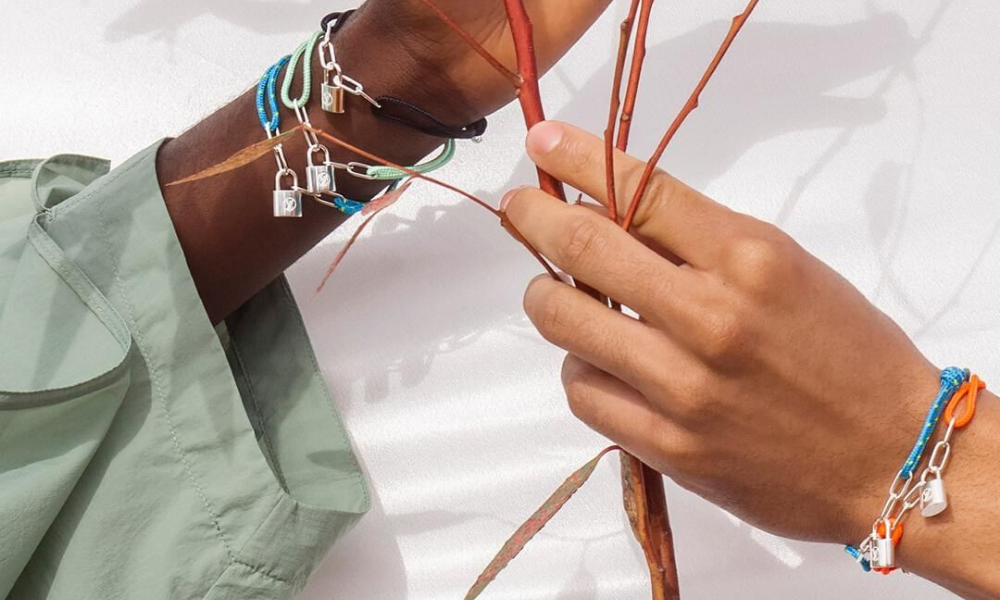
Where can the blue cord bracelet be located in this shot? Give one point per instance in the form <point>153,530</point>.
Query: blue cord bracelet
<point>267,89</point>
<point>866,565</point>
<point>952,378</point>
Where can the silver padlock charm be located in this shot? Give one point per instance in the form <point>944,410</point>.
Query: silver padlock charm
<point>333,99</point>
<point>320,179</point>
<point>934,498</point>
<point>287,203</point>
<point>883,550</point>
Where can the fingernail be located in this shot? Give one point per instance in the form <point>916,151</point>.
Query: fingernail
<point>544,137</point>
<point>507,198</point>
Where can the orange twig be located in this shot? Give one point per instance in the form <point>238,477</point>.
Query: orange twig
<point>689,107</point>
<point>642,487</point>
<point>503,218</point>
<point>638,60</point>
<point>512,77</point>
<point>373,157</point>
<point>616,92</point>
<point>529,95</point>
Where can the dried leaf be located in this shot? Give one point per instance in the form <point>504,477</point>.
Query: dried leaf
<point>371,211</point>
<point>240,159</point>
<point>535,523</point>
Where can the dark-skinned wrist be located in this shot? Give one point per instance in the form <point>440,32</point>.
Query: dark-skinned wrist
<point>457,87</point>
<point>234,246</point>
<point>372,50</point>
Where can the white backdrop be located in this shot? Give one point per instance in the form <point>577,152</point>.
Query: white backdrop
<point>866,128</point>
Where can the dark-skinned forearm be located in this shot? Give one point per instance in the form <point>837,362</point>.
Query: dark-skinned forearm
<point>233,245</point>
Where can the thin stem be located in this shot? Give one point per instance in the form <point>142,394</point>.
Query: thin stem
<point>616,92</point>
<point>529,95</point>
<point>343,251</point>
<point>638,60</point>
<point>688,108</point>
<point>373,157</point>
<point>475,45</point>
<point>503,218</point>
<point>646,507</point>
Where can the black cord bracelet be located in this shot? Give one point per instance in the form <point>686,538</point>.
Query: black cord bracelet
<point>402,112</point>
<point>338,19</point>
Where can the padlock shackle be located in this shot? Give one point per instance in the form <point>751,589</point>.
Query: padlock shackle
<point>287,172</point>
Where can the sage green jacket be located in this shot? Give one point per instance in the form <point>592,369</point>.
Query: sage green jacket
<point>145,454</point>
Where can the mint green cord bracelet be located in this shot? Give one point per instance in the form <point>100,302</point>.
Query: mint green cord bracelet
<point>389,173</point>
<point>306,48</point>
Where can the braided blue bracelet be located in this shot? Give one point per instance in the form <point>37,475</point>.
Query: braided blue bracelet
<point>951,380</point>
<point>267,88</point>
<point>267,97</point>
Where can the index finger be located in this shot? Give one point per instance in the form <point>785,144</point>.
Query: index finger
<point>592,249</point>
<point>673,215</point>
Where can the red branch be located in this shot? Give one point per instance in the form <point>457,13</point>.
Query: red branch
<point>529,95</point>
<point>503,218</point>
<point>616,93</point>
<point>688,108</point>
<point>638,59</point>
<point>471,41</point>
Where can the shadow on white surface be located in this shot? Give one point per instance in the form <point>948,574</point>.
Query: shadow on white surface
<point>451,279</point>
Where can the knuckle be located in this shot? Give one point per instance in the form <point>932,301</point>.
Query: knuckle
<point>726,336</point>
<point>654,284</point>
<point>518,204</point>
<point>584,238</point>
<point>695,386</point>
<point>660,195</point>
<point>760,262</point>
<point>579,391</point>
<point>550,312</point>
<point>578,157</point>
<point>579,398</point>
<point>680,451</point>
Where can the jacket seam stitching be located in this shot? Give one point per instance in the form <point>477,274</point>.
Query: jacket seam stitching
<point>155,379</point>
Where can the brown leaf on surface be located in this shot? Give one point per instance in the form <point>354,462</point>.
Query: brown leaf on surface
<point>241,159</point>
<point>535,523</point>
<point>370,212</point>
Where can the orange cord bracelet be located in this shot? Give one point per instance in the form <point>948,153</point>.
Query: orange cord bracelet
<point>968,393</point>
<point>897,536</point>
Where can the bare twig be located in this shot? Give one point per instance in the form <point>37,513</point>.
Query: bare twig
<point>374,157</point>
<point>616,93</point>
<point>370,212</point>
<point>503,218</point>
<point>643,495</point>
<point>689,107</point>
<point>529,95</point>
<point>638,60</point>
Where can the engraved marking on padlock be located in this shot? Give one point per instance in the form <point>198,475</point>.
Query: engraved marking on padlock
<point>320,179</point>
<point>934,499</point>
<point>883,550</point>
<point>333,99</point>
<point>286,203</point>
<point>883,554</point>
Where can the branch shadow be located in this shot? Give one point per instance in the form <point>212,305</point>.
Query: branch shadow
<point>163,19</point>
<point>782,79</point>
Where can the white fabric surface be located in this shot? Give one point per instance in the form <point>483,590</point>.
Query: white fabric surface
<point>866,128</point>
